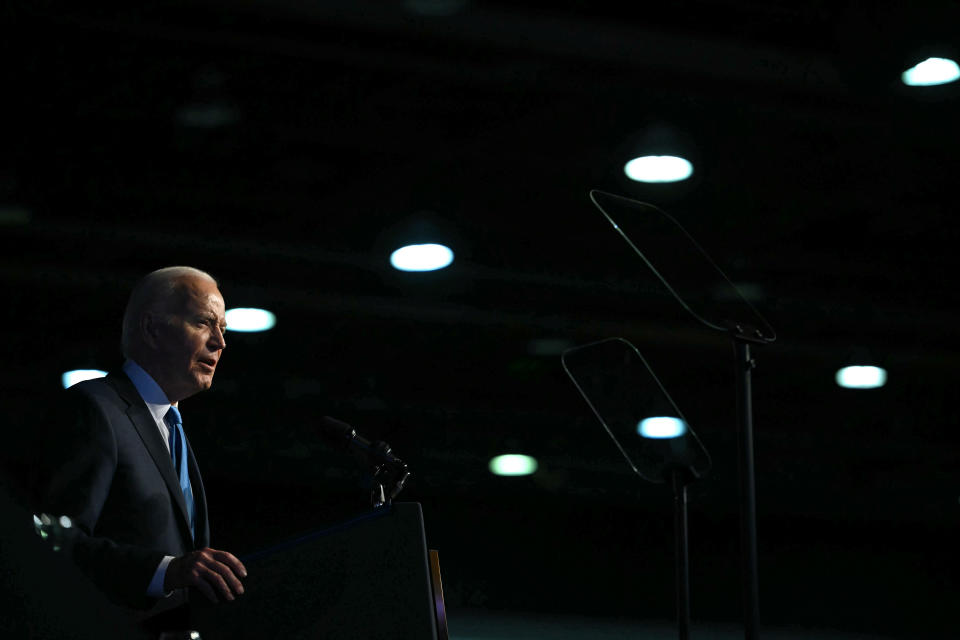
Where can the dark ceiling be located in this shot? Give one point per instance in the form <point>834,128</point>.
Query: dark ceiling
<point>284,145</point>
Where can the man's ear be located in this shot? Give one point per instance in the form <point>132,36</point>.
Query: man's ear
<point>150,327</point>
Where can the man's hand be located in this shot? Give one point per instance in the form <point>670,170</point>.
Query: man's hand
<point>212,572</point>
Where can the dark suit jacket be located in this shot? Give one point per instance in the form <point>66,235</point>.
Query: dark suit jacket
<point>107,468</point>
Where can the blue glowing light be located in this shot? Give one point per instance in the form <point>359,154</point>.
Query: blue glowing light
<point>931,71</point>
<point>249,320</point>
<point>661,427</point>
<point>861,377</point>
<point>421,257</point>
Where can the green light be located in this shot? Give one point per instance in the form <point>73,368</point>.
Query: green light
<point>513,464</point>
<point>250,320</point>
<point>658,169</point>
<point>932,71</point>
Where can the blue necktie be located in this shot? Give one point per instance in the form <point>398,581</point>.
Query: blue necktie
<point>178,451</point>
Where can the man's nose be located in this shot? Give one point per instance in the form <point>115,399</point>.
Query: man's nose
<point>218,338</point>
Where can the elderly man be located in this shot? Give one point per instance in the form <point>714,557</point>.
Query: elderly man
<point>121,466</point>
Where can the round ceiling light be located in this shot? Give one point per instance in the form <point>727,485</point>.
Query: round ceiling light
<point>661,427</point>
<point>658,169</point>
<point>513,464</point>
<point>421,257</point>
<point>861,377</point>
<point>250,320</point>
<point>930,72</point>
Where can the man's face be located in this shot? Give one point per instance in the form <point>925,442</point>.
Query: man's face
<point>189,339</point>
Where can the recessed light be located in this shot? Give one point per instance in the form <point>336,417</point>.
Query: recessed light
<point>930,72</point>
<point>658,169</point>
<point>421,257</point>
<point>250,320</point>
<point>661,427</point>
<point>861,377</point>
<point>513,464</point>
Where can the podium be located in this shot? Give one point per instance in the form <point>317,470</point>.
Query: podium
<point>368,577</point>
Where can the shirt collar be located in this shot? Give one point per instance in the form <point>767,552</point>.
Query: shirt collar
<point>149,390</point>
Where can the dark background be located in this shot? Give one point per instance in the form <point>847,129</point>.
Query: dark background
<point>283,146</point>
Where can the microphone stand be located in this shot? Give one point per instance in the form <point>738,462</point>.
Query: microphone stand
<point>390,474</point>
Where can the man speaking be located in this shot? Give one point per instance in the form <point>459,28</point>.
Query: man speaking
<point>120,465</point>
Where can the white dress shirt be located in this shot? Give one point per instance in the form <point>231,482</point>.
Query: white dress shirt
<point>157,403</point>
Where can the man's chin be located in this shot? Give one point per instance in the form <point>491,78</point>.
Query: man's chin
<point>200,383</point>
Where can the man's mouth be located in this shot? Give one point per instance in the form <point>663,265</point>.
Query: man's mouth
<point>208,363</point>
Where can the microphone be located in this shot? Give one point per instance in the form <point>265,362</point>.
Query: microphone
<point>342,436</point>
<point>389,472</point>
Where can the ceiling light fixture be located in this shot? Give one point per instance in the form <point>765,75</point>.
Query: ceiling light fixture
<point>661,427</point>
<point>658,169</point>
<point>421,257</point>
<point>659,153</point>
<point>930,72</point>
<point>513,464</point>
<point>861,377</point>
<point>250,320</point>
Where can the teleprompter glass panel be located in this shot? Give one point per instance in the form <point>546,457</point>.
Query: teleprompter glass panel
<point>635,409</point>
<point>682,266</point>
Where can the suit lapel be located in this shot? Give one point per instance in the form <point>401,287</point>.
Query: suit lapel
<point>143,422</point>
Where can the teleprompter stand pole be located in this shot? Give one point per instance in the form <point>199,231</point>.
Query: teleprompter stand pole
<point>748,490</point>
<point>678,479</point>
<point>745,327</point>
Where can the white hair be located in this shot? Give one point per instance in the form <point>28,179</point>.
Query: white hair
<point>152,292</point>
